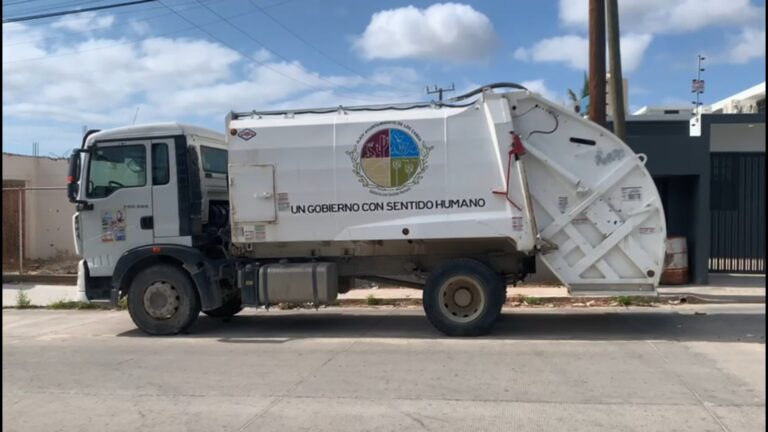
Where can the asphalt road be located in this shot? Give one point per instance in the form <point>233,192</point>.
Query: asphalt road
<point>689,368</point>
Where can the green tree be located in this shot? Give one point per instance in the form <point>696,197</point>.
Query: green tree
<point>577,100</point>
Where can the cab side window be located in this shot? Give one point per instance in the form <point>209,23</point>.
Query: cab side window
<point>214,160</point>
<point>161,171</point>
<point>114,168</point>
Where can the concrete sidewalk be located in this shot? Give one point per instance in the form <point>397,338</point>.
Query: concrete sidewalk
<point>725,289</point>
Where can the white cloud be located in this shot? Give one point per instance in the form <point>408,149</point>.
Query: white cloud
<point>633,47</point>
<point>141,28</point>
<point>748,45</point>
<point>86,21</point>
<point>396,76</point>
<point>262,55</point>
<point>100,82</point>
<point>664,16</point>
<point>573,51</point>
<point>538,86</point>
<point>444,31</point>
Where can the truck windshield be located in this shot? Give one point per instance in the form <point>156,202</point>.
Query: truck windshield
<point>113,168</point>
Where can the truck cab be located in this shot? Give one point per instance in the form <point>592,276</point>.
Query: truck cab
<point>147,194</point>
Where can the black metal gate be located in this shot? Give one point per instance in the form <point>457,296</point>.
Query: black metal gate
<point>737,209</point>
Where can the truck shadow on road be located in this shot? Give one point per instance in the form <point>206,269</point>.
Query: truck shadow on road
<point>283,326</point>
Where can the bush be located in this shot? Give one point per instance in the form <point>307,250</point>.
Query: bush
<point>533,301</point>
<point>72,305</point>
<point>372,301</point>
<point>122,303</point>
<point>22,300</point>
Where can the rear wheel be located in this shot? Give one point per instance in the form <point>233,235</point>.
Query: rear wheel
<point>463,297</point>
<point>162,300</point>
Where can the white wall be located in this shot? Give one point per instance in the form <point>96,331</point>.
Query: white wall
<point>737,137</point>
<point>48,214</point>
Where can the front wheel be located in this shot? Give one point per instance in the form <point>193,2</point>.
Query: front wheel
<point>464,297</point>
<point>162,300</point>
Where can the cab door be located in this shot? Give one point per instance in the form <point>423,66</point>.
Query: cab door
<point>165,192</point>
<point>119,195</point>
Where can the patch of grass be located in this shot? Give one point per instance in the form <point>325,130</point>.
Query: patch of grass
<point>72,305</point>
<point>371,300</point>
<point>530,300</point>
<point>22,300</point>
<point>288,306</point>
<point>122,303</point>
<point>624,300</point>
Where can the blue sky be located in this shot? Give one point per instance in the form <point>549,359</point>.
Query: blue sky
<point>193,61</point>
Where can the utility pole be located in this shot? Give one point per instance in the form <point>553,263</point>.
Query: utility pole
<point>698,86</point>
<point>439,91</point>
<point>617,78</point>
<point>597,61</point>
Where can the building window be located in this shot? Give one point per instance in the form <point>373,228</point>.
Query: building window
<point>761,105</point>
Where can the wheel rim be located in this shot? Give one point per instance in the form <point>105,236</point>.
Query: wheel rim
<point>462,299</point>
<point>161,300</point>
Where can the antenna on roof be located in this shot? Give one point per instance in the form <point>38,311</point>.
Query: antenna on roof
<point>136,115</point>
<point>440,90</point>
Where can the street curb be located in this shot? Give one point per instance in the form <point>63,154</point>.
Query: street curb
<point>567,301</point>
<point>41,279</point>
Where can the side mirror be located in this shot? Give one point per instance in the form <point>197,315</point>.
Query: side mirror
<point>73,181</point>
<point>73,176</point>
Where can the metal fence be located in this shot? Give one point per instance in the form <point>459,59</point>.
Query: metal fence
<point>15,223</point>
<point>737,210</point>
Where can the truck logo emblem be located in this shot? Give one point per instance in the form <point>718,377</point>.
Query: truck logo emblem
<point>389,158</point>
<point>246,134</point>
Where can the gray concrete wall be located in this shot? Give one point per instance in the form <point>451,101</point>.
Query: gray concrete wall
<point>48,214</point>
<point>737,137</point>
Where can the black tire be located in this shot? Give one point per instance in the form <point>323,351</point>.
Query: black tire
<point>183,312</point>
<point>227,310</point>
<point>482,293</point>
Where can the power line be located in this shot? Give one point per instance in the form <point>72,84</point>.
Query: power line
<point>243,32</point>
<point>90,30</point>
<point>46,57</point>
<point>314,47</point>
<point>77,11</point>
<point>261,63</point>
<point>192,27</point>
<point>299,37</point>
<point>50,6</point>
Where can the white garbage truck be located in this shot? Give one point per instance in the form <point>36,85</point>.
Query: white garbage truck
<point>457,197</point>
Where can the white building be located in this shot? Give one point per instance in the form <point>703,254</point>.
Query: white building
<point>751,100</point>
<point>625,87</point>
<point>662,113</point>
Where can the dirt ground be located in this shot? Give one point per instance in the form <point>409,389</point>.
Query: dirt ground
<point>56,266</point>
